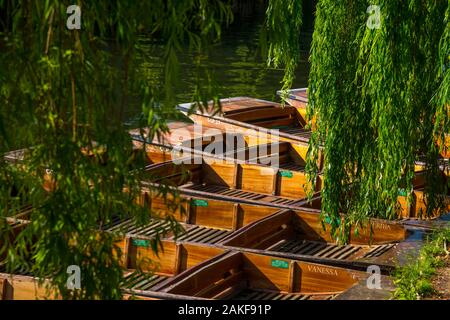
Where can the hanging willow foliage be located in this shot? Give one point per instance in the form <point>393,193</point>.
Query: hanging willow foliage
<point>63,93</point>
<point>372,93</point>
<point>280,37</point>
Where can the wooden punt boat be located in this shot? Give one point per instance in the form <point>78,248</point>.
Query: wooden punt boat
<point>256,184</point>
<point>206,212</point>
<point>172,259</point>
<point>299,235</point>
<point>232,216</point>
<point>240,182</point>
<point>23,286</point>
<point>256,119</point>
<point>375,240</point>
<point>157,269</point>
<point>298,98</point>
<point>416,209</point>
<point>249,276</point>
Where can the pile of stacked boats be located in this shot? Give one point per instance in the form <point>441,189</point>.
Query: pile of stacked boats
<point>249,232</point>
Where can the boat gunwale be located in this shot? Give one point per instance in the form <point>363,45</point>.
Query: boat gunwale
<point>185,107</point>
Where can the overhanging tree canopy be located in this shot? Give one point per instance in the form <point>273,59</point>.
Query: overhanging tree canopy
<point>379,96</point>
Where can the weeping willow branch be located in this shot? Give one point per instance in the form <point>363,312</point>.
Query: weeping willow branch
<point>280,37</point>
<point>60,90</point>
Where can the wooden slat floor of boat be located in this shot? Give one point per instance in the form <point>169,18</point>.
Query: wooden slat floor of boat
<point>241,194</point>
<point>200,234</point>
<point>20,272</point>
<point>327,250</point>
<point>297,131</point>
<point>141,281</point>
<point>193,233</point>
<point>252,294</point>
<point>291,166</point>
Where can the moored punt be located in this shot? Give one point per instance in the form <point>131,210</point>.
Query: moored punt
<point>21,285</point>
<point>156,269</point>
<point>291,233</point>
<point>445,153</point>
<point>265,120</point>
<point>233,216</point>
<point>415,209</point>
<point>299,235</point>
<point>250,276</point>
<point>260,185</point>
<point>250,113</point>
<point>207,212</point>
<point>241,182</point>
<point>186,139</point>
<point>137,253</point>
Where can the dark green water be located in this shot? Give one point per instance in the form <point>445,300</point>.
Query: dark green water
<point>235,63</point>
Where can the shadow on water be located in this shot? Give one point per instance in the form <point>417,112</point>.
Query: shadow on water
<point>235,63</point>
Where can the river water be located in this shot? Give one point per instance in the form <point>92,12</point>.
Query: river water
<point>235,63</point>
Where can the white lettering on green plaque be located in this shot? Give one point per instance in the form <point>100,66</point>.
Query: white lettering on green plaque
<point>280,264</point>
<point>200,203</point>
<point>402,192</point>
<point>141,242</point>
<point>286,173</point>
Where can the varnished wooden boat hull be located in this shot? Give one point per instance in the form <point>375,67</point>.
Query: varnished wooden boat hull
<point>239,275</point>
<point>248,183</point>
<point>23,287</point>
<point>297,98</point>
<point>253,184</point>
<point>445,145</point>
<point>232,216</point>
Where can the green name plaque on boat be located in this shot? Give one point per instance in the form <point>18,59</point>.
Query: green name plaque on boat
<point>199,203</point>
<point>286,173</point>
<point>279,264</point>
<point>141,242</point>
